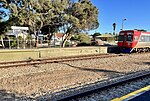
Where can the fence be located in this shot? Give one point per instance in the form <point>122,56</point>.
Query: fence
<point>21,44</point>
<point>27,44</point>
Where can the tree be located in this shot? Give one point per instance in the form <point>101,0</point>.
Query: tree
<point>84,38</point>
<point>34,14</point>
<point>3,14</point>
<point>4,27</point>
<point>71,17</point>
<point>75,37</point>
<point>80,16</point>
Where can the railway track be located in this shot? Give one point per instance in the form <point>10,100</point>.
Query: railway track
<point>28,62</point>
<point>113,91</point>
<point>53,60</point>
<point>104,90</point>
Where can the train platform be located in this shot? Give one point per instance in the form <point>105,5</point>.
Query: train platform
<point>25,54</point>
<point>143,97</point>
<point>139,95</point>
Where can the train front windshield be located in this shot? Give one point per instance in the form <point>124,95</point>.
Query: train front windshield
<point>130,37</point>
<point>120,38</point>
<point>125,38</point>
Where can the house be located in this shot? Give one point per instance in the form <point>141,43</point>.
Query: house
<point>57,38</point>
<point>10,33</point>
<point>106,39</point>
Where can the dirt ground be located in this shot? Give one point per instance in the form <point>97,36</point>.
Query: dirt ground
<point>37,80</point>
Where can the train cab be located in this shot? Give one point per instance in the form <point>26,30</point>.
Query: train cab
<point>127,40</point>
<point>133,40</point>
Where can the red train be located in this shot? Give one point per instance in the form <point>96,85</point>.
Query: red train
<point>133,41</point>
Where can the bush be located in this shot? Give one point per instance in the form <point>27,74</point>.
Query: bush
<point>67,44</point>
<point>14,43</point>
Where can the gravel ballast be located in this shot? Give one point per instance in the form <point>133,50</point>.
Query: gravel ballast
<point>37,80</point>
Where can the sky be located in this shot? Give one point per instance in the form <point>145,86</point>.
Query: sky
<point>137,13</point>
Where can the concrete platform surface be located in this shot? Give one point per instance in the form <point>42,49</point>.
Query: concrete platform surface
<point>143,97</point>
<point>142,94</point>
<point>24,54</point>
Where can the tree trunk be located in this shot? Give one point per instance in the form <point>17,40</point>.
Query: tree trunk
<point>64,42</point>
<point>49,39</point>
<point>68,36</point>
<point>2,42</point>
<point>37,40</point>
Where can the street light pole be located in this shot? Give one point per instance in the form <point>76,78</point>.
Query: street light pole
<point>123,23</point>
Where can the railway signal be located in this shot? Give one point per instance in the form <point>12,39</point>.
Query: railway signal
<point>114,28</point>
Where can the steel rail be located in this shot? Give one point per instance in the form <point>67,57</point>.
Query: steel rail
<point>9,64</point>
<point>53,60</point>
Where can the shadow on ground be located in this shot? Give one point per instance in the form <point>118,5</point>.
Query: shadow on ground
<point>147,63</point>
<point>4,96</point>
<point>108,73</point>
<point>142,63</point>
<point>93,69</point>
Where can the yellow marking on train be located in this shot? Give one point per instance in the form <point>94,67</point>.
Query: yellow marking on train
<point>133,94</point>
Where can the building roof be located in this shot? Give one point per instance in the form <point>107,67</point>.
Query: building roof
<point>105,36</point>
<point>10,32</point>
<point>59,35</point>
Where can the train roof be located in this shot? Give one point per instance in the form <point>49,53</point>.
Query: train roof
<point>135,30</point>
